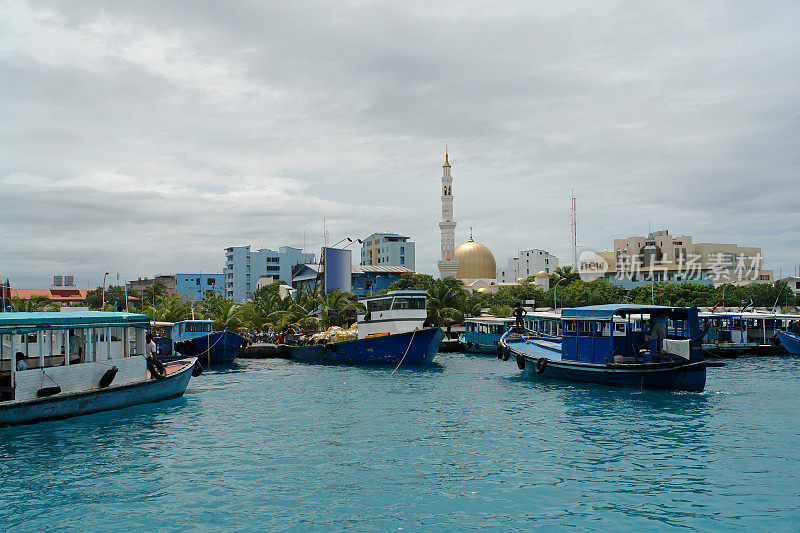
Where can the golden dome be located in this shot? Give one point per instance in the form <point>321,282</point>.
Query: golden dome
<point>542,274</point>
<point>475,261</point>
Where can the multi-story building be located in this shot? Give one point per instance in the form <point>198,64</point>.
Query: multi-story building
<point>243,268</point>
<point>528,264</point>
<point>388,249</point>
<point>726,263</point>
<point>195,286</point>
<point>793,282</point>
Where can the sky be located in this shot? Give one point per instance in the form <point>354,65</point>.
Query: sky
<point>143,138</point>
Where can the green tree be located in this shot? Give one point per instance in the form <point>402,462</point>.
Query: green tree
<point>115,294</point>
<point>444,300</point>
<point>33,304</point>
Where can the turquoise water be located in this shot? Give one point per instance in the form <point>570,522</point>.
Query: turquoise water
<point>466,444</point>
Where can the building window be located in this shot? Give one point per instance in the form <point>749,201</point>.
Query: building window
<point>402,250</point>
<point>402,260</point>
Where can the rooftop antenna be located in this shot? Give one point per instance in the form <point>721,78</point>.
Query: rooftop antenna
<point>574,229</point>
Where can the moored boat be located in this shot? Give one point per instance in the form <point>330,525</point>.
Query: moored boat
<point>58,365</point>
<point>389,332</point>
<point>623,345</point>
<point>790,341</point>
<point>196,338</point>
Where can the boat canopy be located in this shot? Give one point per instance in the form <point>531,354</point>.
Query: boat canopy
<point>609,310</point>
<point>26,322</point>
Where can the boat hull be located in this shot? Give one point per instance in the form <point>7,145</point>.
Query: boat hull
<point>687,377</point>
<point>71,404</point>
<point>214,348</point>
<point>790,341</point>
<point>412,348</point>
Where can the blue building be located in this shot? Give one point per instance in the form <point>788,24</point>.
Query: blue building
<point>366,279</point>
<point>195,286</point>
<point>387,249</point>
<point>244,268</point>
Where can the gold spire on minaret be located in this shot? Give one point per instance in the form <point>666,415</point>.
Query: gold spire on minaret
<point>446,162</point>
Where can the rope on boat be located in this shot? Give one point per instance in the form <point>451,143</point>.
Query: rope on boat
<point>404,355</point>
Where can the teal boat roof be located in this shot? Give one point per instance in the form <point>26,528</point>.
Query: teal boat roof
<point>10,322</point>
<point>609,310</point>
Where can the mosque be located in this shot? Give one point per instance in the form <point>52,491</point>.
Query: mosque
<point>471,262</point>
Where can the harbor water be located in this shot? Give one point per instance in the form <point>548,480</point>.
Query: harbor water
<point>466,444</point>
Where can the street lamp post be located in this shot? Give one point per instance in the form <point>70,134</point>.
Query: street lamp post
<point>555,291</point>
<point>104,291</point>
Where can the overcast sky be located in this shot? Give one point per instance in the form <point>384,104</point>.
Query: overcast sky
<point>145,137</point>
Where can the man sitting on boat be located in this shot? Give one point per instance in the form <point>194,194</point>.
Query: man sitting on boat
<point>21,364</point>
<point>75,349</point>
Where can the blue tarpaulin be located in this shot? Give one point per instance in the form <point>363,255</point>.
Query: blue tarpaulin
<point>609,310</point>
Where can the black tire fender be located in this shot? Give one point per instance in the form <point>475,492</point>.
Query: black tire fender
<point>520,361</point>
<point>541,365</point>
<point>156,368</point>
<point>197,369</point>
<point>47,391</point>
<point>499,350</point>
<point>506,353</point>
<point>108,377</point>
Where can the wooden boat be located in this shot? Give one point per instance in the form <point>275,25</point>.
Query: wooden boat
<point>737,333</point>
<point>58,365</point>
<point>790,341</point>
<point>623,345</point>
<point>389,332</point>
<point>481,334</point>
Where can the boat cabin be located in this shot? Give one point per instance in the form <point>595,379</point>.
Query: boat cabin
<point>756,328</point>
<point>71,351</point>
<point>191,329</point>
<point>392,313</point>
<point>626,333</point>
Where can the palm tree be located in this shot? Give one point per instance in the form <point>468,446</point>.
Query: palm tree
<point>169,309</point>
<point>565,273</point>
<point>334,305</point>
<point>444,299</point>
<point>224,313</point>
<point>33,304</point>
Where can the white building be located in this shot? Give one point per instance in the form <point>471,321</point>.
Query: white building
<point>793,282</point>
<point>528,264</point>
<point>448,266</point>
<point>243,268</point>
<point>388,249</point>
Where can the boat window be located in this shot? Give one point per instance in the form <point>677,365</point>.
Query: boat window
<point>602,328</point>
<point>116,334</point>
<point>408,303</point>
<point>569,326</point>
<point>620,328</point>
<point>207,327</point>
<point>379,305</point>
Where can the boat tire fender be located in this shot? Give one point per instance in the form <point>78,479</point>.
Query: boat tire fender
<point>156,368</point>
<point>469,345</point>
<point>47,391</point>
<point>499,351</point>
<point>540,365</point>
<point>521,361</point>
<point>197,369</point>
<point>108,377</point>
<point>506,353</point>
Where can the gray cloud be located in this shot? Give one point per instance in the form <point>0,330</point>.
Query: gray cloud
<point>144,137</point>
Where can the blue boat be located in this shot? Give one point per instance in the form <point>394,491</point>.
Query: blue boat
<point>790,341</point>
<point>481,334</point>
<point>58,365</point>
<point>623,345</point>
<point>389,332</point>
<point>196,338</point>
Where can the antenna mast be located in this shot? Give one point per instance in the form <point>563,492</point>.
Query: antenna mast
<point>574,228</point>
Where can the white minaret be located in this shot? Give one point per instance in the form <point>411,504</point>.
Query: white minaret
<point>448,266</point>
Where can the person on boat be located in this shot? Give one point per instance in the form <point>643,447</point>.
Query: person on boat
<point>659,330</point>
<point>520,313</point>
<point>21,364</point>
<point>794,327</point>
<point>152,349</point>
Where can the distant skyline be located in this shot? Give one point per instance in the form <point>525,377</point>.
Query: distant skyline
<point>145,137</point>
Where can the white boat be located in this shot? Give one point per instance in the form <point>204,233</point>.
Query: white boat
<point>58,365</point>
